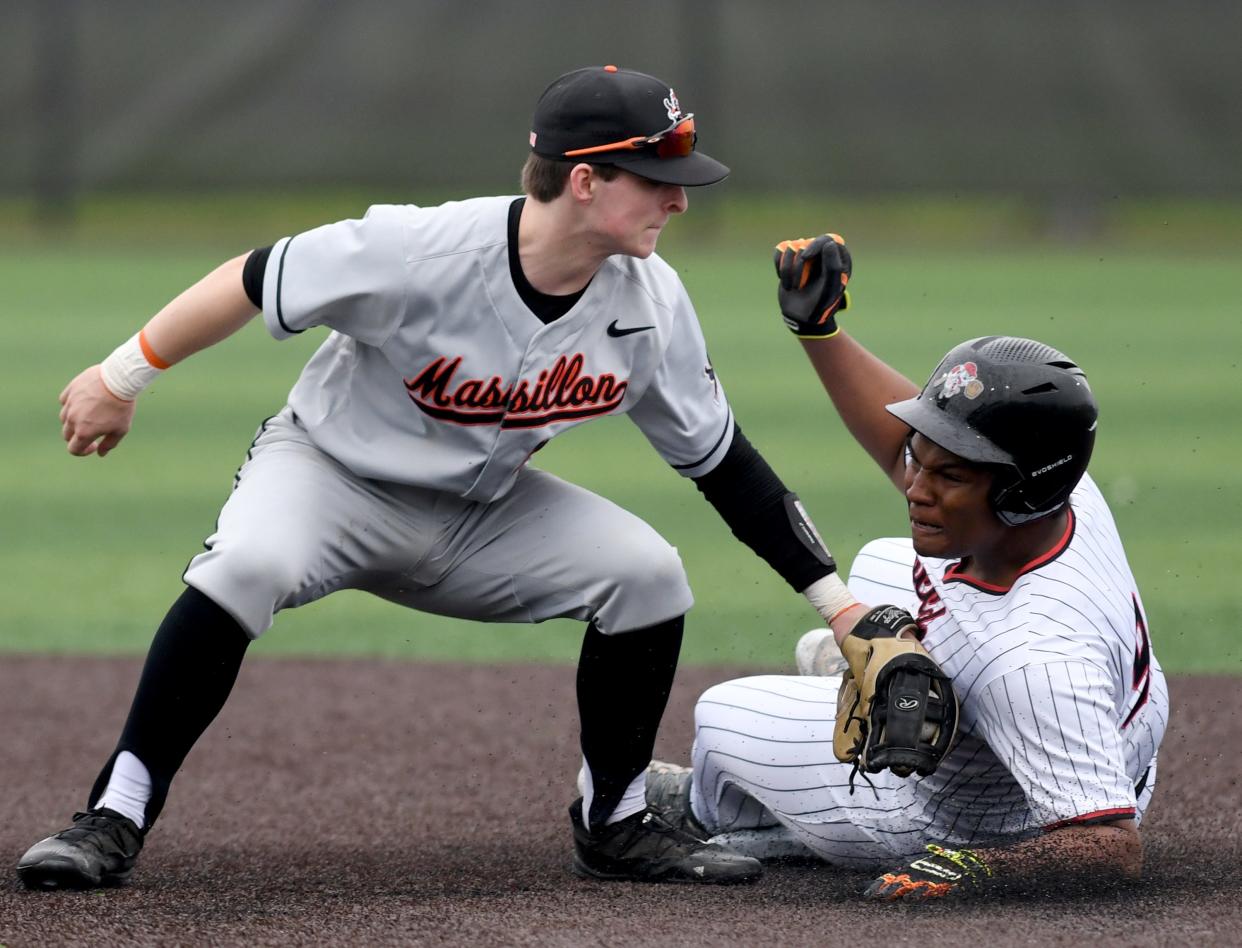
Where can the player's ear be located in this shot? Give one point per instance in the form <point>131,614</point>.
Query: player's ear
<point>582,182</point>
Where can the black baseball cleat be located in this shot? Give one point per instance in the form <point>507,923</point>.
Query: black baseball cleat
<point>646,847</point>
<point>99,849</point>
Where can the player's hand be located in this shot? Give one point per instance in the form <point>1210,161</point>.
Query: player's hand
<point>93,420</point>
<point>813,275</point>
<point>942,872</point>
<point>896,708</point>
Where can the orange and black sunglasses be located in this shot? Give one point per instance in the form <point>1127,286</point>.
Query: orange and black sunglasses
<point>676,141</point>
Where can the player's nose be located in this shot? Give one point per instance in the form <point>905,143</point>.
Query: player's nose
<point>675,200</point>
<point>917,491</point>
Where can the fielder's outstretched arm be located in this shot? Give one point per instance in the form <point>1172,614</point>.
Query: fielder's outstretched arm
<point>97,407</point>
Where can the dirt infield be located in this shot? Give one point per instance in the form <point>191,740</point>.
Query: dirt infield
<point>396,803</point>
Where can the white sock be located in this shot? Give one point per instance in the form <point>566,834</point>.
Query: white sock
<point>632,801</point>
<point>129,788</point>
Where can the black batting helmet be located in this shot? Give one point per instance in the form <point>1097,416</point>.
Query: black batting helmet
<point>1015,403</point>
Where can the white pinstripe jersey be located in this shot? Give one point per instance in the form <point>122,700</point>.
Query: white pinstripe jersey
<point>437,374</point>
<point>1063,704</point>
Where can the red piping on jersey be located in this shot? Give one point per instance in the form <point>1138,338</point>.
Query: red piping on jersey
<point>1142,663</point>
<point>954,574</point>
<point>1099,816</point>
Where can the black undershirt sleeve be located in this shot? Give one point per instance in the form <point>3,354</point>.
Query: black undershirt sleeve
<point>765,515</point>
<point>252,275</point>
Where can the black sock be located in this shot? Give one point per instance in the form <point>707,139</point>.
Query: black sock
<point>624,682</point>
<point>189,672</point>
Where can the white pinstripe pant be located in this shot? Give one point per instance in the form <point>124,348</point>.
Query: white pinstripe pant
<point>767,780</point>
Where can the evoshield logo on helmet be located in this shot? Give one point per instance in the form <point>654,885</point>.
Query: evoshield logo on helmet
<point>962,378</point>
<point>1055,464</point>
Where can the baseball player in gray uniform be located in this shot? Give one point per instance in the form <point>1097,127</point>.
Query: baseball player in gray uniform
<point>463,338</point>
<point>1019,587</point>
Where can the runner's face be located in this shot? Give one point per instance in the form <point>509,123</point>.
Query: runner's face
<point>947,496</point>
<point>630,212</point>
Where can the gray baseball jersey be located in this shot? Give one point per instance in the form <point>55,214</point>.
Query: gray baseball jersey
<point>438,375</point>
<point>1063,707</point>
<point>400,464</point>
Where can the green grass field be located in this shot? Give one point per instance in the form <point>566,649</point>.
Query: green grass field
<point>93,550</point>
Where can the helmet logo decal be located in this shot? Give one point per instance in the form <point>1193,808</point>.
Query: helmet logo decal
<point>673,106</point>
<point>961,378</point>
<point>1052,467</point>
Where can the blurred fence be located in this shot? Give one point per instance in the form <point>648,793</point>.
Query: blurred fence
<point>1044,99</point>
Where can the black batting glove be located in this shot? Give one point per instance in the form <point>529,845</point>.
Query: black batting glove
<point>813,275</point>
<point>942,872</point>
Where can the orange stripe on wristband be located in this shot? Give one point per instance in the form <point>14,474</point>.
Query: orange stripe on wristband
<point>842,611</point>
<point>149,354</point>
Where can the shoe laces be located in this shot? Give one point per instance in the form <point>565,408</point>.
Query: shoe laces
<point>93,825</point>
<point>653,825</point>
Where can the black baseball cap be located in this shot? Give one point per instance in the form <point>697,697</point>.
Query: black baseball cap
<point>604,115</point>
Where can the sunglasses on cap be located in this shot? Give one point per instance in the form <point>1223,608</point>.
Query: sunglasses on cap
<point>676,141</point>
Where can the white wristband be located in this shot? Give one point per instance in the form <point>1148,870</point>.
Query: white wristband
<point>829,596</point>
<point>127,372</point>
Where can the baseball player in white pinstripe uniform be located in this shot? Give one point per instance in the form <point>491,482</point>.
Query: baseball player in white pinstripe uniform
<point>1021,593</point>
<point>464,337</point>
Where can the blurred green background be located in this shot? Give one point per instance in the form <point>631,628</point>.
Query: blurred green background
<point>94,549</point>
<point>1059,170</point>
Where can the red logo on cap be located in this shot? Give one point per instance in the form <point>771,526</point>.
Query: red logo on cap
<point>961,378</point>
